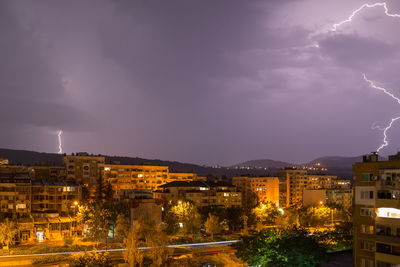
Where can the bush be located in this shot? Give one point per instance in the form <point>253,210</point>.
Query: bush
<point>68,242</point>
<point>90,259</point>
<point>48,259</point>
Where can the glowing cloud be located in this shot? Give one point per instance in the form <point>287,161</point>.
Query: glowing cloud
<point>350,18</point>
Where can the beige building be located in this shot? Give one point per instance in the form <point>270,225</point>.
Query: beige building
<point>377,212</point>
<point>15,195</point>
<point>55,197</point>
<point>200,193</point>
<point>48,173</point>
<point>83,168</point>
<point>340,197</point>
<point>142,177</point>
<point>265,188</point>
<point>292,182</point>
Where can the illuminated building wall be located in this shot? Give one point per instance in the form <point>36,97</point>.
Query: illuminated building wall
<point>83,168</point>
<point>56,197</point>
<point>292,182</point>
<point>265,188</point>
<point>314,197</point>
<point>200,193</point>
<point>377,212</point>
<point>147,177</point>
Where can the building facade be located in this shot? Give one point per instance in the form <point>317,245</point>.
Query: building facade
<point>337,197</point>
<point>264,188</point>
<point>292,182</point>
<point>141,177</point>
<point>377,212</point>
<point>200,193</point>
<point>83,168</point>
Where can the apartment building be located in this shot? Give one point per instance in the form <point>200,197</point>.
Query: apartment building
<point>83,168</point>
<point>292,182</point>
<point>142,177</point>
<point>48,173</point>
<point>54,197</point>
<point>130,177</point>
<point>15,195</point>
<point>200,193</point>
<point>377,212</point>
<point>264,188</point>
<point>338,197</point>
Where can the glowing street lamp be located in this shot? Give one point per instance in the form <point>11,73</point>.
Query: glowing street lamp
<point>75,206</point>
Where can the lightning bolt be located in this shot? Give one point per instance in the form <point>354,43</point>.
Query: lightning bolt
<point>350,18</point>
<point>59,142</point>
<point>385,141</point>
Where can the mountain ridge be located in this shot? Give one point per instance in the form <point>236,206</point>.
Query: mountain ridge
<point>336,165</point>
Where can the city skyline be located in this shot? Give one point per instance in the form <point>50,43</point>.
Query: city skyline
<point>200,82</point>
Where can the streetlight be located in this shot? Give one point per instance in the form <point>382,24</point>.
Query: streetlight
<point>75,205</point>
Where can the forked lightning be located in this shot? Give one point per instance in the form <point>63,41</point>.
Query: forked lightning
<point>385,141</point>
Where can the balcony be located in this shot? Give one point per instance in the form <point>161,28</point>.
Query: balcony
<point>383,257</point>
<point>387,203</point>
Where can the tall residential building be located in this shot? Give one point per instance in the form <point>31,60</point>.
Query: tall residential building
<point>265,188</point>
<point>377,212</point>
<point>292,182</point>
<point>84,168</point>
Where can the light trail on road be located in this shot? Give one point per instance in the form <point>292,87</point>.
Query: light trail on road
<point>123,249</point>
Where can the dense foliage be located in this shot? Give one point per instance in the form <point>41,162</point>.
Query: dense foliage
<point>90,260</point>
<point>281,248</point>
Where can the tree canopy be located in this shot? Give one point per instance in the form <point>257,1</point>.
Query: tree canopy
<point>281,248</point>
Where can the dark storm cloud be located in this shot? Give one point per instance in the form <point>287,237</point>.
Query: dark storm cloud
<point>32,92</point>
<point>198,81</point>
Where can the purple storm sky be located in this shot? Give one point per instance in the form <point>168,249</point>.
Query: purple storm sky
<point>207,82</point>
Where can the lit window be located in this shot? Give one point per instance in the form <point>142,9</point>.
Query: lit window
<point>389,213</point>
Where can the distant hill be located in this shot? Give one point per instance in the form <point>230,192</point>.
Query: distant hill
<point>336,165</point>
<point>335,161</point>
<point>263,163</point>
<point>26,157</point>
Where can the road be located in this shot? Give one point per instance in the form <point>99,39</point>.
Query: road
<point>26,260</point>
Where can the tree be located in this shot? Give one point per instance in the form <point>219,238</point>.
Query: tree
<point>133,255</point>
<point>187,216</point>
<point>8,231</point>
<point>108,193</point>
<point>159,251</point>
<point>266,213</point>
<point>281,248</point>
<point>122,227</point>
<point>212,225</point>
<point>234,217</point>
<point>96,217</point>
<point>146,233</point>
